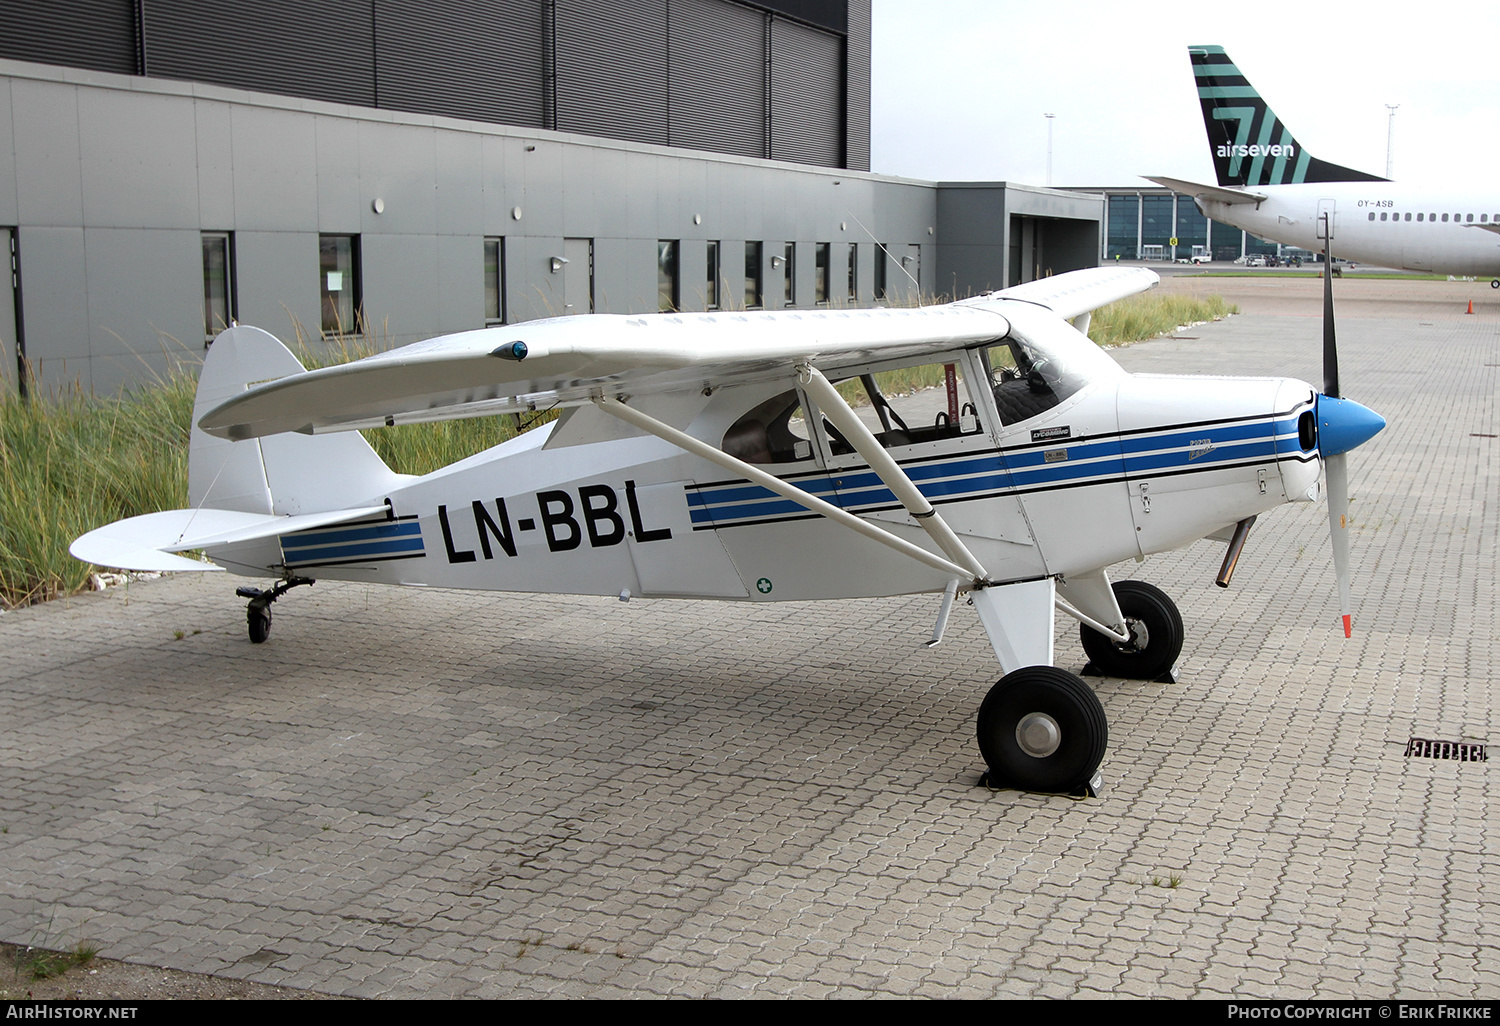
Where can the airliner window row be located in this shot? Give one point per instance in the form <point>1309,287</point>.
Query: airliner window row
<point>1483,218</point>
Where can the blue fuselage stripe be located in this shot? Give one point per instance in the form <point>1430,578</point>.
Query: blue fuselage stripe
<point>377,531</point>
<point>1111,459</point>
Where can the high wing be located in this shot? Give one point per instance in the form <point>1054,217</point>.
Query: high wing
<point>569,360</point>
<point>1211,192</point>
<point>1077,292</point>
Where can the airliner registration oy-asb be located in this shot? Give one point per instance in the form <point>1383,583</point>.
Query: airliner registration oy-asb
<point>1272,187</point>
<point>982,448</point>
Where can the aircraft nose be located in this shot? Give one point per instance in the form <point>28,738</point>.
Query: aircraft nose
<point>1344,424</point>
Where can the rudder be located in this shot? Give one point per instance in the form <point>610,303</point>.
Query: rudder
<point>284,474</point>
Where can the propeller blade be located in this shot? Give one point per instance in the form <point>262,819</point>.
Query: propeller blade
<point>1337,468</point>
<point>1330,344</point>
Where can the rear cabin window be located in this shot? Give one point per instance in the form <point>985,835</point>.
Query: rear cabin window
<point>773,432</point>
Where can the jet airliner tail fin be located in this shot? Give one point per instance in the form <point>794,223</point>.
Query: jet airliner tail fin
<point>1249,144</point>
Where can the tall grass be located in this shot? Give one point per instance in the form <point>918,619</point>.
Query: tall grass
<point>1151,314</point>
<point>71,462</point>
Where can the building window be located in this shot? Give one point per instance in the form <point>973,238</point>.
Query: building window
<point>711,295</point>
<point>338,272</point>
<point>218,283</point>
<point>753,291</point>
<point>667,293</point>
<point>789,268</point>
<point>882,258</point>
<point>853,273</point>
<point>494,281</point>
<point>820,270</point>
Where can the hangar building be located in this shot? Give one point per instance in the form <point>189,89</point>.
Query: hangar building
<point>411,169</point>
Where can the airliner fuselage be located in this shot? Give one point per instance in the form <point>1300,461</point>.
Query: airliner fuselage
<point>1446,231</point>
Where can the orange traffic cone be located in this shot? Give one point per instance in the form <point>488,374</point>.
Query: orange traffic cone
<point>1471,306</point>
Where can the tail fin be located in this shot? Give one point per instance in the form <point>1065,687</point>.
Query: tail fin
<point>285,474</point>
<point>1249,144</point>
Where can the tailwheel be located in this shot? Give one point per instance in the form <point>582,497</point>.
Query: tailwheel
<point>1156,634</point>
<point>1042,729</point>
<point>258,612</point>
<point>259,619</point>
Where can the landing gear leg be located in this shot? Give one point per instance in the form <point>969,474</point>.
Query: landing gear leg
<point>258,612</point>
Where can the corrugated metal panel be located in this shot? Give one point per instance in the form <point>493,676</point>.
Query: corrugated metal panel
<point>828,14</point>
<point>857,85</point>
<point>611,63</point>
<point>807,95</point>
<point>94,34</point>
<point>323,50</point>
<point>717,77</point>
<point>477,59</point>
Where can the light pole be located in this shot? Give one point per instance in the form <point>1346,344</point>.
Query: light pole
<point>1049,118</point>
<point>1390,135</point>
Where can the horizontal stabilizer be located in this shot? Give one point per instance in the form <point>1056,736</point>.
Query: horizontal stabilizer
<point>1078,292</point>
<point>148,542</point>
<point>1197,190</point>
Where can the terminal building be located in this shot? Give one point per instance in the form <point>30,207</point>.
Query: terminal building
<point>1156,224</point>
<point>398,169</point>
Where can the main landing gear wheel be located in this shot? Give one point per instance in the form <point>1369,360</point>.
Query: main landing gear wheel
<point>1042,729</point>
<point>1155,642</point>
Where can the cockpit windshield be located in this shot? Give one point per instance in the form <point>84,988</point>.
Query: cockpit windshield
<point>1030,377</point>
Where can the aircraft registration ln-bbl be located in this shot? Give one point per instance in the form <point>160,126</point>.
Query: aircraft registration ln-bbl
<point>760,457</point>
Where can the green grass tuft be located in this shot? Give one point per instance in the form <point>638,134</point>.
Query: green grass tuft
<point>1151,314</point>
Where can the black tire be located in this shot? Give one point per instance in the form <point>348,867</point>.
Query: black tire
<point>1042,729</point>
<point>1155,630</point>
<point>1495,283</point>
<point>259,621</point>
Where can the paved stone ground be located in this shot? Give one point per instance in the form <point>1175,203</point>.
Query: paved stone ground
<point>427,794</point>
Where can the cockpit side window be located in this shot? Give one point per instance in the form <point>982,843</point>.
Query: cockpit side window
<point>909,405</point>
<point>1026,381</point>
<point>773,432</point>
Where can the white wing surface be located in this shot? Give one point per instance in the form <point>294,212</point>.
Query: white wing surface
<point>568,359</point>
<point>1078,292</point>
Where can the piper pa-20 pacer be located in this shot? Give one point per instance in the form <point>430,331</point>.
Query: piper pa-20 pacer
<point>759,457</point>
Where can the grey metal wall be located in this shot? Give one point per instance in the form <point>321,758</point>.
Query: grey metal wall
<point>787,79</point>
<point>984,222</point>
<point>110,180</point>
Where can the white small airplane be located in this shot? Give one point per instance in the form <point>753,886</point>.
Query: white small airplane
<point>714,456</point>
<point>1271,186</point>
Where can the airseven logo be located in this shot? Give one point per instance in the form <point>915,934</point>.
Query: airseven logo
<point>1256,150</point>
<point>763,586</point>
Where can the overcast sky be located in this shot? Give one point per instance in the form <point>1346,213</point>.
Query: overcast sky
<point>959,87</point>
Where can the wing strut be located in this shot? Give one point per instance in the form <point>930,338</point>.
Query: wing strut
<point>688,443</point>
<point>832,405</point>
